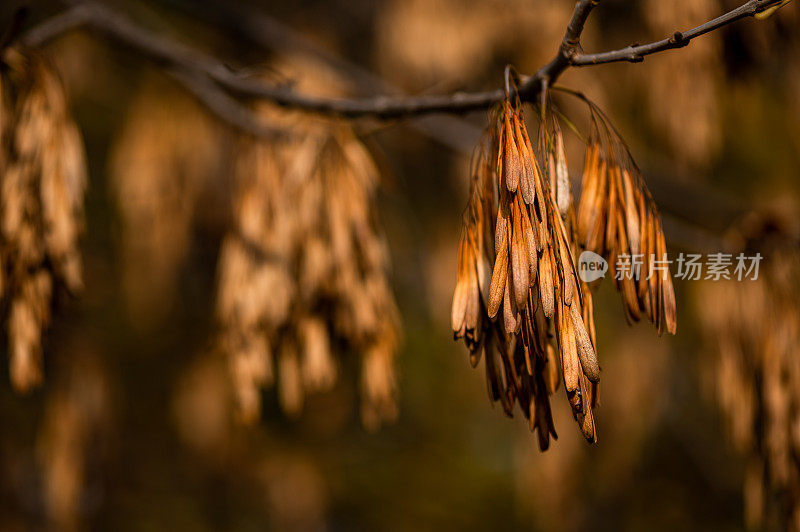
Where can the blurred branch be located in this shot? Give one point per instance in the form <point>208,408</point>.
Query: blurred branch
<point>218,101</point>
<point>582,10</point>
<point>169,53</point>
<point>694,215</point>
<point>177,56</point>
<point>54,27</point>
<point>208,93</point>
<point>212,82</point>
<point>636,53</point>
<point>215,85</point>
<point>254,27</point>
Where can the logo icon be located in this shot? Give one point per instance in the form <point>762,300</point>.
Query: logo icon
<point>591,266</point>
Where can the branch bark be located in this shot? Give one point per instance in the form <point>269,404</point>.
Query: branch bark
<point>253,26</point>
<point>636,53</point>
<point>173,55</point>
<point>178,57</point>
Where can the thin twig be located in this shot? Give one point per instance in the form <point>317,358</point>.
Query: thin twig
<point>575,27</point>
<point>635,54</point>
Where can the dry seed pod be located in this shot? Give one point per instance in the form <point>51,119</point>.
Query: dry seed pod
<point>527,185</point>
<point>509,312</point>
<point>318,367</point>
<point>520,266</point>
<point>304,267</point>
<point>562,176</point>
<point>378,383</point>
<point>499,280</point>
<point>569,349</point>
<point>546,282</point>
<point>534,235</point>
<point>586,353</point>
<point>553,379</point>
<point>513,227</point>
<point>41,204</point>
<point>251,368</point>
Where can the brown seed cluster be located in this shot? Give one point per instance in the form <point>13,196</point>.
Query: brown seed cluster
<point>618,219</point>
<point>517,279</point>
<point>303,277</point>
<point>41,204</point>
<point>753,326</point>
<point>519,301</point>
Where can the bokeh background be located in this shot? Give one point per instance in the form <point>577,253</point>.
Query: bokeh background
<point>132,429</point>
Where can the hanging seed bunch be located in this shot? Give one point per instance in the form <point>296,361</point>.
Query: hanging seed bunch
<point>517,286</point>
<point>41,204</point>
<point>303,277</point>
<point>618,219</point>
<point>753,326</point>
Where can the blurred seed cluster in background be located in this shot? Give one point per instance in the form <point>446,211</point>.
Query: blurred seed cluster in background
<point>41,197</point>
<point>207,325</point>
<point>753,331</point>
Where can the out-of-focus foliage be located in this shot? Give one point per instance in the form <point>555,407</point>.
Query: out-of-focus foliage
<point>753,332</point>
<point>134,427</point>
<point>685,109</point>
<point>162,163</point>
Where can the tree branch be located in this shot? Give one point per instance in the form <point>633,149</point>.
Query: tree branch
<point>207,92</point>
<point>636,53</point>
<point>70,20</point>
<point>179,57</point>
<point>213,83</point>
<point>171,54</point>
<point>575,27</point>
<point>252,25</point>
<point>221,104</point>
